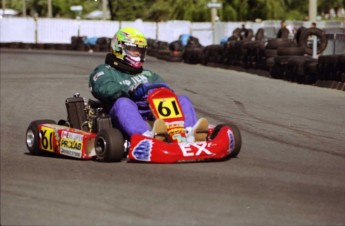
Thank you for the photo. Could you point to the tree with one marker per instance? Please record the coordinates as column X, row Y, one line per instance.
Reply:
column 274, row 9
column 129, row 10
column 192, row 10
column 159, row 11
column 235, row 10
column 324, row 6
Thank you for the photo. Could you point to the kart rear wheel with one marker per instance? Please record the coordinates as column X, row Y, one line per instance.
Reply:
column 32, row 135
column 237, row 135
column 109, row 145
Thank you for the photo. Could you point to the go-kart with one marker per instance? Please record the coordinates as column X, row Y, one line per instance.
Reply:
column 88, row 133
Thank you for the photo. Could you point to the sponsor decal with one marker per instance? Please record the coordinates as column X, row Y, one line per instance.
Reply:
column 69, row 152
column 177, row 131
column 72, row 136
column 139, row 79
column 194, row 149
column 231, row 141
column 71, row 144
column 143, row 150
column 179, row 138
column 178, row 124
column 138, row 42
column 125, row 82
column 97, row 75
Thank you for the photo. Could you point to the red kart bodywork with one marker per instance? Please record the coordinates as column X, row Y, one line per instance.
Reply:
column 152, row 150
column 66, row 141
column 165, row 105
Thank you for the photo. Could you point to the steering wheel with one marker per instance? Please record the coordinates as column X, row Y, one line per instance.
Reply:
column 142, row 104
column 149, row 87
column 156, row 85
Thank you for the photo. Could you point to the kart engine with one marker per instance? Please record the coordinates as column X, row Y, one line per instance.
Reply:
column 86, row 115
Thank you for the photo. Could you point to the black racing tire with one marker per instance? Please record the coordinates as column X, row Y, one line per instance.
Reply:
column 174, row 59
column 39, row 46
column 249, row 34
column 260, row 34
column 233, row 38
column 103, row 41
column 187, row 55
column 26, row 46
column 298, row 34
column 60, row 46
column 270, row 62
column 14, row 45
column 298, row 70
column 275, row 43
column 163, row 45
column 77, row 42
column 175, row 46
column 237, row 136
column 281, row 60
column 322, row 40
column 109, row 145
column 310, row 73
column 276, row 71
column 283, row 33
column 32, row 135
column 212, row 53
column 237, row 32
column 290, row 51
column 270, row 53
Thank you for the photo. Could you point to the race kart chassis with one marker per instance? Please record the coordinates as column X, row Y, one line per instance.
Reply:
column 89, row 134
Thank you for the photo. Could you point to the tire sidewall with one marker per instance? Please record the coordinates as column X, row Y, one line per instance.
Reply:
column 114, row 148
column 34, row 150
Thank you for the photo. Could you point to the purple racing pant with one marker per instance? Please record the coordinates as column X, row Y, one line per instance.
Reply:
column 126, row 116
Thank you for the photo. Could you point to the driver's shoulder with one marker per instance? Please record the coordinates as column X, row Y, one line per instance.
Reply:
column 148, row 73
column 105, row 69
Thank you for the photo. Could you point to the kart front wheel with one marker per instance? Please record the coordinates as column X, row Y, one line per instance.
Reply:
column 237, row 136
column 32, row 135
column 109, row 145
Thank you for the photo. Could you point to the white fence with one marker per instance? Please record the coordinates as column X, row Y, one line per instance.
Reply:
column 45, row 30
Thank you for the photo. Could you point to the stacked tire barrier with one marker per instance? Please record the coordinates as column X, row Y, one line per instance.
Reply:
column 284, row 58
column 193, row 52
column 331, row 71
column 163, row 50
column 78, row 43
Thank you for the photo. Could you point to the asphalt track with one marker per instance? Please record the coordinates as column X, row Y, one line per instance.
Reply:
column 290, row 171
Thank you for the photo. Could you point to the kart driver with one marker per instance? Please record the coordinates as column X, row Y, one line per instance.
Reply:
column 122, row 82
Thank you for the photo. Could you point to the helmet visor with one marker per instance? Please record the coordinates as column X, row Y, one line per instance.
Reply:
column 135, row 51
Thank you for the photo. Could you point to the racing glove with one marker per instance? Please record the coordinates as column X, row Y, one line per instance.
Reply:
column 139, row 92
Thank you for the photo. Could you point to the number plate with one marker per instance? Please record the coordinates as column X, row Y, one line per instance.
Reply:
column 167, row 108
column 47, row 138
